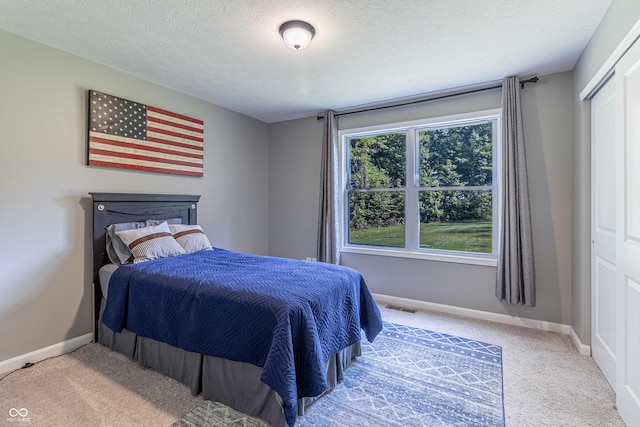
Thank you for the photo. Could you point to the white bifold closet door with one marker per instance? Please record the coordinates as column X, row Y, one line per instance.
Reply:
column 627, row 78
column 603, row 230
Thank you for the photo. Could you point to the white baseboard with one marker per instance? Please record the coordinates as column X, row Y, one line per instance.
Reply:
column 45, row 353
column 492, row 317
column 583, row 349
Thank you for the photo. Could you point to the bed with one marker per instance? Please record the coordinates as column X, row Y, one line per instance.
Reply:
column 266, row 336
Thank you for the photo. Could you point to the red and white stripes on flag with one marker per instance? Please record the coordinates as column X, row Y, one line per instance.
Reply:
column 129, row 135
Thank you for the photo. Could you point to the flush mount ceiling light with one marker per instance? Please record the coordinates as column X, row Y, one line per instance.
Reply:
column 297, row 34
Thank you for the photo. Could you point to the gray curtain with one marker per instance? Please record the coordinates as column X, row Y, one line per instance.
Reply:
column 327, row 250
column 515, row 275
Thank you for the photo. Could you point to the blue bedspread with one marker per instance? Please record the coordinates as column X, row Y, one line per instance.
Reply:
column 283, row 315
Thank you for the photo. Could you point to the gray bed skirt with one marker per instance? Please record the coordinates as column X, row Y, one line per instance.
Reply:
column 236, row 384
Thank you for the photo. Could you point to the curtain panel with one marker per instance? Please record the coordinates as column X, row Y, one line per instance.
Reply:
column 515, row 275
column 327, row 242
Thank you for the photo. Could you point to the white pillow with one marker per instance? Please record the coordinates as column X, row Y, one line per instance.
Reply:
column 190, row 237
column 151, row 242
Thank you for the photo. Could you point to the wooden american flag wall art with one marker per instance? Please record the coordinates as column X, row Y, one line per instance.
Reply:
column 130, row 135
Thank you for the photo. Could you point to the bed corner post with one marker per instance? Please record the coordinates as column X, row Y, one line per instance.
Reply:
column 99, row 250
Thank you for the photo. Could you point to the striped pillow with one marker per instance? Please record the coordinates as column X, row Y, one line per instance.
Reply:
column 190, row 237
column 151, row 242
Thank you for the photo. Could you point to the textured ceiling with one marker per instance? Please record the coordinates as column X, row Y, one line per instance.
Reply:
column 365, row 51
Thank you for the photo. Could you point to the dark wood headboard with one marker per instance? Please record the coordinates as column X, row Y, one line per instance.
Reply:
column 113, row 208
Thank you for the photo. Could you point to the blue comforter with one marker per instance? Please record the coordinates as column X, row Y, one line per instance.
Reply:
column 285, row 316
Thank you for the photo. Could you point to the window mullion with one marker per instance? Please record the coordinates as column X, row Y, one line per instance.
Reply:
column 412, row 226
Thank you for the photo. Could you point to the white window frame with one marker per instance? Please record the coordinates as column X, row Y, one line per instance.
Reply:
column 412, row 245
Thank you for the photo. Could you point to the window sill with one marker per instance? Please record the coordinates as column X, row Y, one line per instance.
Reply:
column 456, row 259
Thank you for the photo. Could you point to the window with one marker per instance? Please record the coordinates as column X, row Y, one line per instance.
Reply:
column 426, row 189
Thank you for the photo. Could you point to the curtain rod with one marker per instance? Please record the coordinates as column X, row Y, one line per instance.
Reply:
column 533, row 79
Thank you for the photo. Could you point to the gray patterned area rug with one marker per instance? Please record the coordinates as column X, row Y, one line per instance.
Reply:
column 407, row 377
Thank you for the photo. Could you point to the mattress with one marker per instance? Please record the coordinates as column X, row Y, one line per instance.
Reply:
column 104, row 274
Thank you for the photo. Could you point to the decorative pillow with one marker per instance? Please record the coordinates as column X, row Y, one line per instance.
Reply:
column 190, row 237
column 151, row 242
column 117, row 250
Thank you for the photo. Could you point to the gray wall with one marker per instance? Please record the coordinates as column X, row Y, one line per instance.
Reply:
column 45, row 214
column 619, row 19
column 294, row 187
column 294, row 166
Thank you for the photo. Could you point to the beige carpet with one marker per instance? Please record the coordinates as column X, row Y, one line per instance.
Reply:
column 546, row 382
